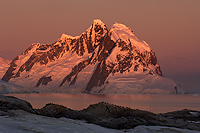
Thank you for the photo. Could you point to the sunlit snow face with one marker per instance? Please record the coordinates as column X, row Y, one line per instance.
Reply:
column 97, row 61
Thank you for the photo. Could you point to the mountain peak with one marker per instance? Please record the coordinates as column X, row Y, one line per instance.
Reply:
column 121, row 31
column 98, row 21
column 97, row 24
column 64, row 36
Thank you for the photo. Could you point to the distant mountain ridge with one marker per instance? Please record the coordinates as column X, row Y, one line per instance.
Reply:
column 6, row 61
column 4, row 64
column 97, row 61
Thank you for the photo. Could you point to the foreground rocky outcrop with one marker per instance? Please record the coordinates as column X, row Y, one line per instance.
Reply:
column 107, row 115
column 12, row 103
column 112, row 116
column 185, row 114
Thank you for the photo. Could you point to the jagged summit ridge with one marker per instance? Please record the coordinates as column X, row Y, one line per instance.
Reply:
column 93, row 62
column 45, row 53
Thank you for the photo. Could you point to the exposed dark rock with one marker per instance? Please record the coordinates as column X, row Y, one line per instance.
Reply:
column 9, row 73
column 54, row 110
column 44, row 81
column 13, row 103
column 75, row 70
column 101, row 73
column 107, row 115
column 98, row 78
column 117, row 117
column 185, row 114
column 105, row 48
column 136, row 67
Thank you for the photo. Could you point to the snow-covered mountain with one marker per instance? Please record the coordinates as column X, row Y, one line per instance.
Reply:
column 4, row 64
column 6, row 87
column 97, row 61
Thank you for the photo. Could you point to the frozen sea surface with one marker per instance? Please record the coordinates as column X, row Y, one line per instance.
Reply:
column 26, row 122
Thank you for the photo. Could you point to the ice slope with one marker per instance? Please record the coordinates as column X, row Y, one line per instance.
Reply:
column 138, row 83
column 6, row 87
column 126, row 34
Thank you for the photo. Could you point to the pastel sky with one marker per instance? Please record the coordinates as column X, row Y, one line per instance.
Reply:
column 170, row 27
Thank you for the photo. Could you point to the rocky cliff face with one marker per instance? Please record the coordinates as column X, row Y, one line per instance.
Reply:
column 97, row 61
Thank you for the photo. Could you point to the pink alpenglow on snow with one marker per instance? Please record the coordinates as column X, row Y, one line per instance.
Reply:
column 100, row 60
